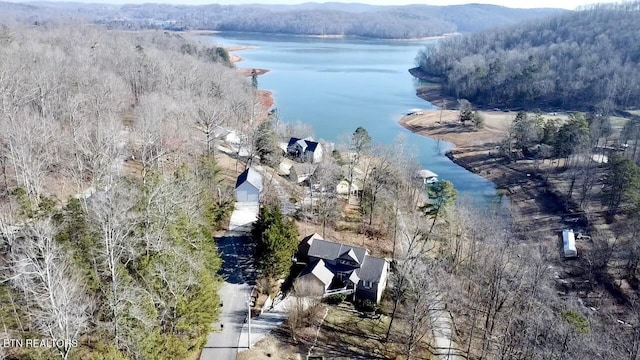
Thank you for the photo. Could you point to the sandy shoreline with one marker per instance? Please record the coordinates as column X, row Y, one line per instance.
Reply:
column 235, row 59
column 200, row 32
column 265, row 97
column 535, row 189
column 249, row 71
column 445, row 125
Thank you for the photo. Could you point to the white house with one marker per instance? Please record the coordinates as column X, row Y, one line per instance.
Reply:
column 306, row 150
column 343, row 188
column 569, row 244
column 248, row 186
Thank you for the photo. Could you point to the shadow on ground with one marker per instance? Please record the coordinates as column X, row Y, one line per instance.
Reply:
column 237, row 256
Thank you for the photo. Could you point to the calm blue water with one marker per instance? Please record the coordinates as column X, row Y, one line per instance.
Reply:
column 337, row 85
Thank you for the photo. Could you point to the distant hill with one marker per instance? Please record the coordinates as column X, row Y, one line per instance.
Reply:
column 402, row 22
column 588, row 59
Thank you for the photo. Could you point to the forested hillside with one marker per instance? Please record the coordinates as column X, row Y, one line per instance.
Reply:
column 389, row 22
column 110, row 191
column 583, row 60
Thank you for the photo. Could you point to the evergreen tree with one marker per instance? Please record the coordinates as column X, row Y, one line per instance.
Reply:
column 466, row 110
column 254, row 78
column 622, row 184
column 266, row 143
column 276, row 241
column 572, row 136
column 441, row 195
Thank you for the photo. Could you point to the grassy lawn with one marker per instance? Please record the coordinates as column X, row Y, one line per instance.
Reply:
column 618, row 123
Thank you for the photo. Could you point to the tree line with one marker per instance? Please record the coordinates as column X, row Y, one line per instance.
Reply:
column 110, row 190
column 580, row 60
column 389, row 22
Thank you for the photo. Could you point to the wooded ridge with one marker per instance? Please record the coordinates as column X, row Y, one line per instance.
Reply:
column 388, row 22
column 583, row 60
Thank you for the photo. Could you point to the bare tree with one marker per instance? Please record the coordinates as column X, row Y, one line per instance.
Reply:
column 151, row 136
column 302, row 309
column 111, row 213
column 421, row 300
column 59, row 305
column 325, row 204
column 210, row 115
column 30, row 142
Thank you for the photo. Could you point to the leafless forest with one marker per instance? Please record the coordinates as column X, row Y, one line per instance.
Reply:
column 110, row 191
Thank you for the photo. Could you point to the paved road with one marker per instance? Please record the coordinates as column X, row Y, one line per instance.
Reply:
column 237, row 270
column 265, row 323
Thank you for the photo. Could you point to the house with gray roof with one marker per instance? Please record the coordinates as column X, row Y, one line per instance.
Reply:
column 317, row 278
column 351, row 267
column 248, row 186
column 305, row 150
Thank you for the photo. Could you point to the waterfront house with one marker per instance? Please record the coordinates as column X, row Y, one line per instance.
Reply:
column 332, row 266
column 305, row 150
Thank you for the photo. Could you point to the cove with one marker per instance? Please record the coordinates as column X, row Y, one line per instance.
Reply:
column 339, row 84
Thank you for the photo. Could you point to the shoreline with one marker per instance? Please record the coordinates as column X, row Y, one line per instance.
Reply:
column 233, row 58
column 472, row 149
column 265, row 97
column 248, row 71
column 325, row 36
column 536, row 190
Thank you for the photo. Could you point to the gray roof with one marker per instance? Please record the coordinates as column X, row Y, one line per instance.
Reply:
column 320, row 271
column 252, row 177
column 372, row 269
column 328, row 250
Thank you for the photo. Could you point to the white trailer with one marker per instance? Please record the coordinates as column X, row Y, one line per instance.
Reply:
column 569, row 243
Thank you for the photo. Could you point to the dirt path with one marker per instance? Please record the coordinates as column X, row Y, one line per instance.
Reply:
column 442, row 328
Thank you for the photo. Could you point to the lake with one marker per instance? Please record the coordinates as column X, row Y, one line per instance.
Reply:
column 337, row 85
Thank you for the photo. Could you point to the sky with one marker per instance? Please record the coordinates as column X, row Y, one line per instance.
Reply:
column 565, row 4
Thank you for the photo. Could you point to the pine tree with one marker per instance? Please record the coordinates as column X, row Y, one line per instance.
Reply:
column 276, row 241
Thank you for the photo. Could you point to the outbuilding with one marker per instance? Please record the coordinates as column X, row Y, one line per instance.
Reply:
column 569, row 243
column 248, row 186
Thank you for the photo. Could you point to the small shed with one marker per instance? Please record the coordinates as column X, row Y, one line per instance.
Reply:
column 569, row 243
column 248, row 186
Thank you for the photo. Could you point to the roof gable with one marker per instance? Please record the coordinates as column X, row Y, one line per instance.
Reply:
column 350, row 255
column 372, row 269
column 292, row 141
column 320, row 271
column 312, row 146
column 309, row 238
column 252, row 177
column 307, row 144
column 330, row 251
